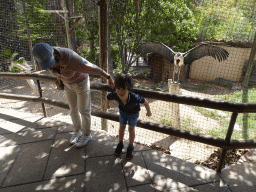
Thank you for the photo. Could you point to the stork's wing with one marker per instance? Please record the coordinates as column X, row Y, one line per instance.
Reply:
column 156, row 47
column 205, row 49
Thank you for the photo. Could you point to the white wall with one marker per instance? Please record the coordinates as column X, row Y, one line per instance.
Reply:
column 208, row 69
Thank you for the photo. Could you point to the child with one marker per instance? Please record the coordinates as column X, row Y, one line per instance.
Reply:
column 129, row 107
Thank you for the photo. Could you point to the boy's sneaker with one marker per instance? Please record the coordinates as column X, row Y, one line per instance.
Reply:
column 83, row 140
column 129, row 154
column 76, row 135
column 119, row 149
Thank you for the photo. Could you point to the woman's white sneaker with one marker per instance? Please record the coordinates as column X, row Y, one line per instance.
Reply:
column 75, row 137
column 83, row 140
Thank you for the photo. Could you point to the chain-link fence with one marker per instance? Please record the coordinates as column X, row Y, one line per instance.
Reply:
column 75, row 24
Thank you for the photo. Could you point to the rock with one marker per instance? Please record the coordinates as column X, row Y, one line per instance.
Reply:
column 224, row 82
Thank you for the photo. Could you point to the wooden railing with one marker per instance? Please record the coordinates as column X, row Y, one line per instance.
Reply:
column 225, row 144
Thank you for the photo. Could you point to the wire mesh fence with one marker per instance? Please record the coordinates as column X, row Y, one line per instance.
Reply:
column 131, row 23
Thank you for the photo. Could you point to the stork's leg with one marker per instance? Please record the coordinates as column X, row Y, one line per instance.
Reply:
column 179, row 74
column 173, row 75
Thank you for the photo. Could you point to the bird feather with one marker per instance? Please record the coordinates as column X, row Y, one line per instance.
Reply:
column 197, row 52
column 157, row 47
column 205, row 49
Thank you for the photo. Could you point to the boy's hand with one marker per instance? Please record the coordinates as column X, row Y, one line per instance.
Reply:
column 148, row 114
column 147, row 108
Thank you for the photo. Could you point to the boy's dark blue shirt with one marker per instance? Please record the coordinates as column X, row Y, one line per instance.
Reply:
column 132, row 105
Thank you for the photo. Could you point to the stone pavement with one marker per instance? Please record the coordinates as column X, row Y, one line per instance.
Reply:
column 35, row 155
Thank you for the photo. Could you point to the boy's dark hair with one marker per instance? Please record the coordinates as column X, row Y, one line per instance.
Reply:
column 123, row 81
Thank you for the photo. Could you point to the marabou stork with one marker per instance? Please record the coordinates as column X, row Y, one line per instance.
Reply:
column 179, row 59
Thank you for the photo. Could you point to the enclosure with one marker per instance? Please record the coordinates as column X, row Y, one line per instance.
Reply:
column 108, row 34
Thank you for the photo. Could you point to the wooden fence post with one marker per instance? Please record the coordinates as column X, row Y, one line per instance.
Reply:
column 250, row 63
column 175, row 108
column 103, row 54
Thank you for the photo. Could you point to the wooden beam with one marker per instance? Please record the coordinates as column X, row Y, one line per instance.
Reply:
column 75, row 17
column 181, row 99
column 207, row 139
column 77, row 21
column 54, row 11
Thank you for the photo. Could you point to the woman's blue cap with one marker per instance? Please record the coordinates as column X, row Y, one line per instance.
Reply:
column 43, row 53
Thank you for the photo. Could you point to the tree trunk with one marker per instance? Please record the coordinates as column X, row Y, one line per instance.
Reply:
column 110, row 57
column 28, row 33
column 57, row 20
column 71, row 13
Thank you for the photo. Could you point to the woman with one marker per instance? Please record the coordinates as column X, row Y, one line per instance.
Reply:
column 74, row 71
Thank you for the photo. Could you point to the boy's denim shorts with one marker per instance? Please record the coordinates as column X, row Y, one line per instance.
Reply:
column 131, row 119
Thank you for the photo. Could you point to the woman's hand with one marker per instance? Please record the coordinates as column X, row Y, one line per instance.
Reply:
column 111, row 83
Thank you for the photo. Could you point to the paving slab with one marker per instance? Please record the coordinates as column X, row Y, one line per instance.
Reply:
column 65, row 159
column 35, row 155
column 5, row 117
column 104, row 174
column 210, row 187
column 135, row 170
column 49, row 122
column 66, row 128
column 30, row 163
column 240, row 174
column 7, row 127
column 7, row 158
column 14, row 125
column 142, row 188
column 27, row 135
column 170, row 173
column 242, row 188
column 100, row 145
column 213, row 187
column 103, row 144
column 14, row 113
column 65, row 184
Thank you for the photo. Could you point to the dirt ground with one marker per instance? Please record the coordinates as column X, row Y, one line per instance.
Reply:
column 191, row 151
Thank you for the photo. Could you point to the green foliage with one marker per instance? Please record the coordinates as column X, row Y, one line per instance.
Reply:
column 7, row 55
column 166, row 121
column 115, row 55
column 187, row 124
column 20, row 61
column 15, row 69
column 170, row 22
column 225, row 20
column 14, row 55
column 223, row 122
column 238, row 96
column 246, row 121
column 90, row 55
column 118, row 69
column 87, row 30
column 197, row 88
column 37, row 21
